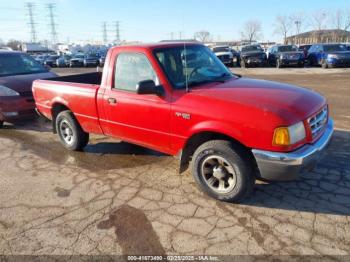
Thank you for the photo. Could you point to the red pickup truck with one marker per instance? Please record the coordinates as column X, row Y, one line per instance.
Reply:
column 178, row 98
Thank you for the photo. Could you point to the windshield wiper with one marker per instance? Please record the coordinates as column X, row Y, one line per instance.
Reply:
column 195, row 83
column 222, row 78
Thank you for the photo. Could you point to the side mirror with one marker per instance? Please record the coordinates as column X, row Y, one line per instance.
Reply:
column 148, row 87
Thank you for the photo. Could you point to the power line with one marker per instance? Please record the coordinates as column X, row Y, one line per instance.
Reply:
column 31, row 23
column 104, row 32
column 117, row 31
column 51, row 7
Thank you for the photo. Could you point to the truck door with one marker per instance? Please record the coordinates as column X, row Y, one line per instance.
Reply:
column 140, row 119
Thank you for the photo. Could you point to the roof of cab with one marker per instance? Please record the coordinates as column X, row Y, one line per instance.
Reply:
column 152, row 46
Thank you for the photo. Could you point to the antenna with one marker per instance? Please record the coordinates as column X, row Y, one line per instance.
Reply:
column 117, row 31
column 186, row 72
column 185, row 54
column 31, row 23
column 104, row 32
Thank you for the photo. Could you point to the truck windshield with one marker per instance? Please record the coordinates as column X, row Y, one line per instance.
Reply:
column 194, row 63
column 19, row 64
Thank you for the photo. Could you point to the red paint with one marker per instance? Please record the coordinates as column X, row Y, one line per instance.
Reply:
column 245, row 109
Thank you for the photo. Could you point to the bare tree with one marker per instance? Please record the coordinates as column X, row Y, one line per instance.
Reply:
column 251, row 30
column 202, row 36
column 14, row 44
column 319, row 19
column 341, row 19
column 283, row 25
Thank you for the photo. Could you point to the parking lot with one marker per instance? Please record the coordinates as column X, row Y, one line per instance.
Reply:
column 116, row 198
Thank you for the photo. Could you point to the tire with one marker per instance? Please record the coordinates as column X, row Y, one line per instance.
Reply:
column 324, row 64
column 278, row 64
column 70, row 132
column 1, row 124
column 220, row 161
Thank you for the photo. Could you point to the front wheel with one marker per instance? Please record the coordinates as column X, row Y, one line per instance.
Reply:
column 223, row 170
column 324, row 64
column 70, row 132
column 278, row 64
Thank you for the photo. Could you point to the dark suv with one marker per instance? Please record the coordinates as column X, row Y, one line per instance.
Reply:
column 252, row 55
column 286, row 55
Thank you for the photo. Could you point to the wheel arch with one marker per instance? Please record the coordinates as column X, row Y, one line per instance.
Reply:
column 198, row 138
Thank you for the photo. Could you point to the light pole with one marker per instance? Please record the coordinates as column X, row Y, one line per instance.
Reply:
column 297, row 24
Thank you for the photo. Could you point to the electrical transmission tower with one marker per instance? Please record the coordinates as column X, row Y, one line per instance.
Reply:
column 51, row 8
column 117, row 31
column 104, row 32
column 31, row 23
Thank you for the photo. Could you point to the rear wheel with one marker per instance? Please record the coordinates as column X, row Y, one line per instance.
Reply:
column 223, row 170
column 324, row 64
column 70, row 132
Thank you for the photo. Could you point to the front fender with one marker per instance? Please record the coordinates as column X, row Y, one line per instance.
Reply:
column 217, row 127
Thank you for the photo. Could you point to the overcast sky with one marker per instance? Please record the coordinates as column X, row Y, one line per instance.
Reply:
column 154, row 20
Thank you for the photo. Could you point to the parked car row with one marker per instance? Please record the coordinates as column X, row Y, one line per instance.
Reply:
column 78, row 60
column 325, row 55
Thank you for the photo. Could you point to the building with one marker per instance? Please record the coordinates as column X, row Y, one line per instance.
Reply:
column 320, row 36
column 33, row 48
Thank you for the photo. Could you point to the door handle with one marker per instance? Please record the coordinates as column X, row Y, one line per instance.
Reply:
column 112, row 101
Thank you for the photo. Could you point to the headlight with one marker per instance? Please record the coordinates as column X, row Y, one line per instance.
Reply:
column 5, row 91
column 286, row 136
column 332, row 56
column 282, row 56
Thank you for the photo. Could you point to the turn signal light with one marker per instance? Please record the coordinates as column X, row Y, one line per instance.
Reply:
column 281, row 137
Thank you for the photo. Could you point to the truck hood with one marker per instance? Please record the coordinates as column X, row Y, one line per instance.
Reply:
column 291, row 52
column 252, row 53
column 23, row 83
column 288, row 102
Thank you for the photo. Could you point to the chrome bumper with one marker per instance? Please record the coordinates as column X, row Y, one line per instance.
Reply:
column 287, row 166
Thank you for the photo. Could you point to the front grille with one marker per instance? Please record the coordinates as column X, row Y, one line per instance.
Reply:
column 318, row 122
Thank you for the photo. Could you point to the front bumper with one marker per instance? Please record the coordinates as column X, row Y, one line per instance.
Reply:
column 91, row 62
column 338, row 62
column 256, row 61
column 287, row 166
column 76, row 63
column 292, row 62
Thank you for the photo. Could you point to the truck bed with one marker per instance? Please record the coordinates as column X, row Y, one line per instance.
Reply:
column 75, row 92
column 88, row 78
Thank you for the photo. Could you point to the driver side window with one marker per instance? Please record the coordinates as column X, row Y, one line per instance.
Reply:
column 130, row 69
